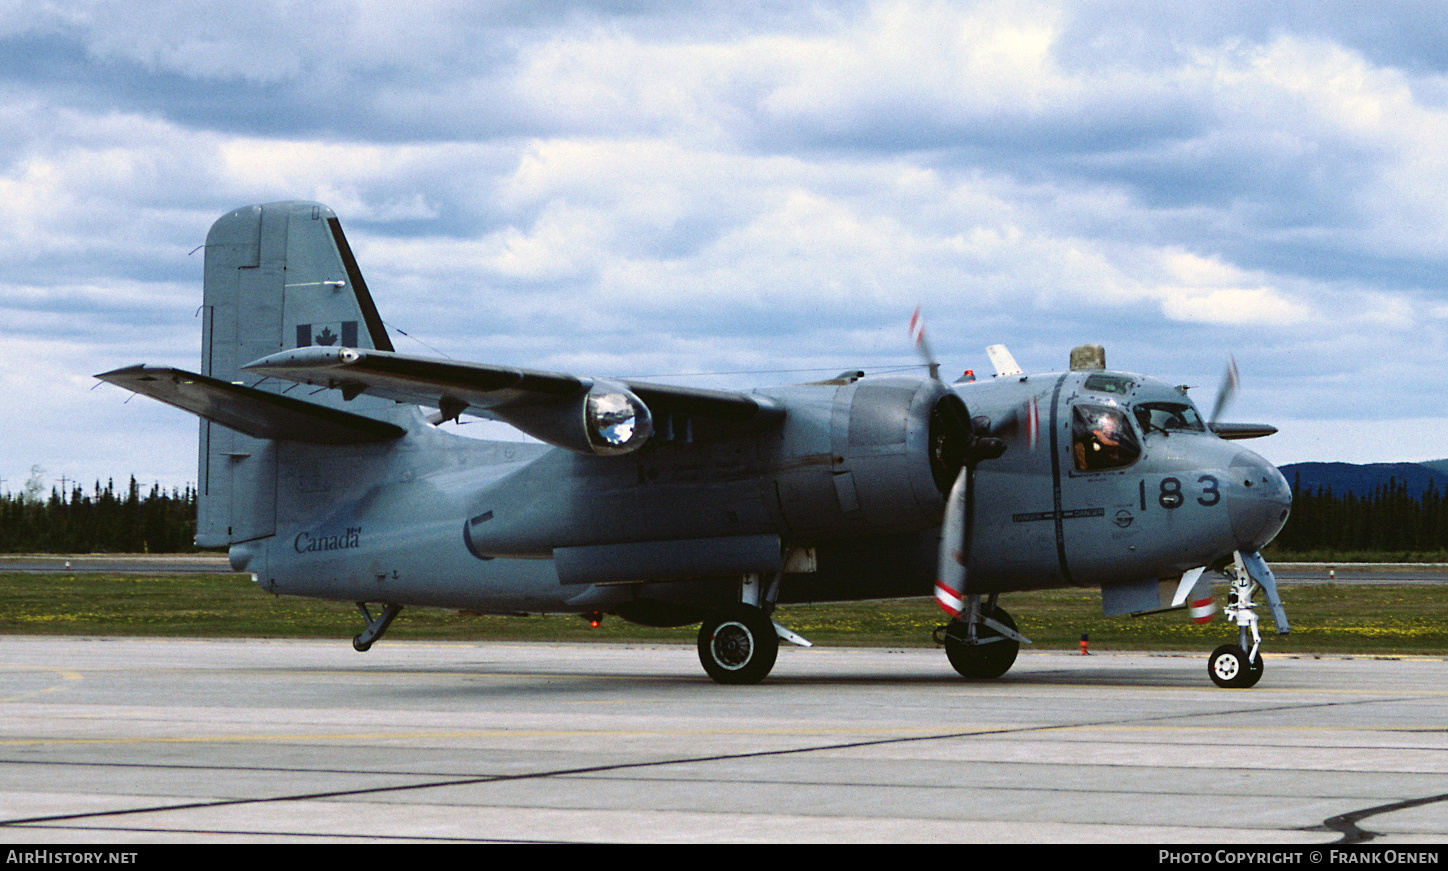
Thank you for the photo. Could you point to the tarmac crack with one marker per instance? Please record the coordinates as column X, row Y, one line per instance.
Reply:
column 1347, row 824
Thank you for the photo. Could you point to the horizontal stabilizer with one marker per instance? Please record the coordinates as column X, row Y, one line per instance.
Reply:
column 488, row 390
column 256, row 413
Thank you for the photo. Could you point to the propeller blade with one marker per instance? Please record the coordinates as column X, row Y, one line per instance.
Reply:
column 951, row 575
column 1029, row 415
column 917, row 335
column 1230, row 382
column 955, row 529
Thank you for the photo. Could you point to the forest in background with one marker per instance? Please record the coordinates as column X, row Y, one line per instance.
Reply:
column 1389, row 521
column 102, row 521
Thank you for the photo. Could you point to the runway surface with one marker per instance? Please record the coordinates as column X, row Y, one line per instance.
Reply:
column 138, row 740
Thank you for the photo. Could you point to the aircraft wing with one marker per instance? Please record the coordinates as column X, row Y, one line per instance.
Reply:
column 253, row 412
column 492, row 391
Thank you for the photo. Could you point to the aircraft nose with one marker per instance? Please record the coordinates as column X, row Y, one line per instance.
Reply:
column 1259, row 501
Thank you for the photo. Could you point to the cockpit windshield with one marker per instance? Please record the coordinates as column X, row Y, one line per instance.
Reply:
column 1168, row 417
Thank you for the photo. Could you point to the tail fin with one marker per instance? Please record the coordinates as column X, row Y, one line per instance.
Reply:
column 278, row 276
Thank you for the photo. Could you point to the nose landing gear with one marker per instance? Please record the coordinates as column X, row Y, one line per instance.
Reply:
column 1239, row 666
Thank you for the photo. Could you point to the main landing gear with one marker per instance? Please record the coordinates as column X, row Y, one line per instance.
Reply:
column 1231, row 668
column 983, row 642
column 739, row 644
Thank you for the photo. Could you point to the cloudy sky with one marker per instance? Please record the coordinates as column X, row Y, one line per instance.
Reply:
column 744, row 193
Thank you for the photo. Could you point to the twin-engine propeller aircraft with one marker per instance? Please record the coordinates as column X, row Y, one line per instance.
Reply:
column 669, row 506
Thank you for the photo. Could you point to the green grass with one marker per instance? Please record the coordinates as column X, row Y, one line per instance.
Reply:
column 1403, row 619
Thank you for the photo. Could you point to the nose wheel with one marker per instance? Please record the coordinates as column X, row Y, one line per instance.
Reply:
column 1230, row 667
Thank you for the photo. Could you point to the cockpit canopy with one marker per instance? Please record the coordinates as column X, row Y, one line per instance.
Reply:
column 1102, row 436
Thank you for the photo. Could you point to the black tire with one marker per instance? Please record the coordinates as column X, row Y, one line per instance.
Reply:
column 1253, row 674
column 981, row 661
column 738, row 646
column 1229, row 669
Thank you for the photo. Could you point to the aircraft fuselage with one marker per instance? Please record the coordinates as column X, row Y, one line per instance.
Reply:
column 840, row 499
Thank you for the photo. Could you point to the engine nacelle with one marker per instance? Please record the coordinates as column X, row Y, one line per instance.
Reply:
column 895, row 447
column 607, row 420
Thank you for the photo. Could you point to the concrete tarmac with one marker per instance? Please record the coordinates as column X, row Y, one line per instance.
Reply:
column 163, row 740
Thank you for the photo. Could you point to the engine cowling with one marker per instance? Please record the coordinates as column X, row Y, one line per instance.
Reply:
column 896, row 445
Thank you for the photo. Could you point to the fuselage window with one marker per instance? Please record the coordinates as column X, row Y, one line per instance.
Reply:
column 1168, row 417
column 1103, row 383
column 1101, row 438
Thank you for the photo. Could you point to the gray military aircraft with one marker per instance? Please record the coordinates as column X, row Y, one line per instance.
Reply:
column 669, row 506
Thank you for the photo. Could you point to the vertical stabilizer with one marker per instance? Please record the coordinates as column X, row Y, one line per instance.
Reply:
column 278, row 276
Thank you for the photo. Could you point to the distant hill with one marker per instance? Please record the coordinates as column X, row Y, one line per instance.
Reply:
column 1363, row 480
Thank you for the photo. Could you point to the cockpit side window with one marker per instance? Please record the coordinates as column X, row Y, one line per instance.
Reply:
column 1168, row 417
column 1101, row 438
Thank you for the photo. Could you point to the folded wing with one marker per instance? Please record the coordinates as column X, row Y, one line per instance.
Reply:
column 569, row 411
column 247, row 410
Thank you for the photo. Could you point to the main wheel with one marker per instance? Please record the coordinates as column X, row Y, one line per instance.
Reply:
column 1229, row 668
column 738, row 645
column 981, row 661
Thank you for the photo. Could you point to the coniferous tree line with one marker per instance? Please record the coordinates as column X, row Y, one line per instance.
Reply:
column 105, row 521
column 1390, row 519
